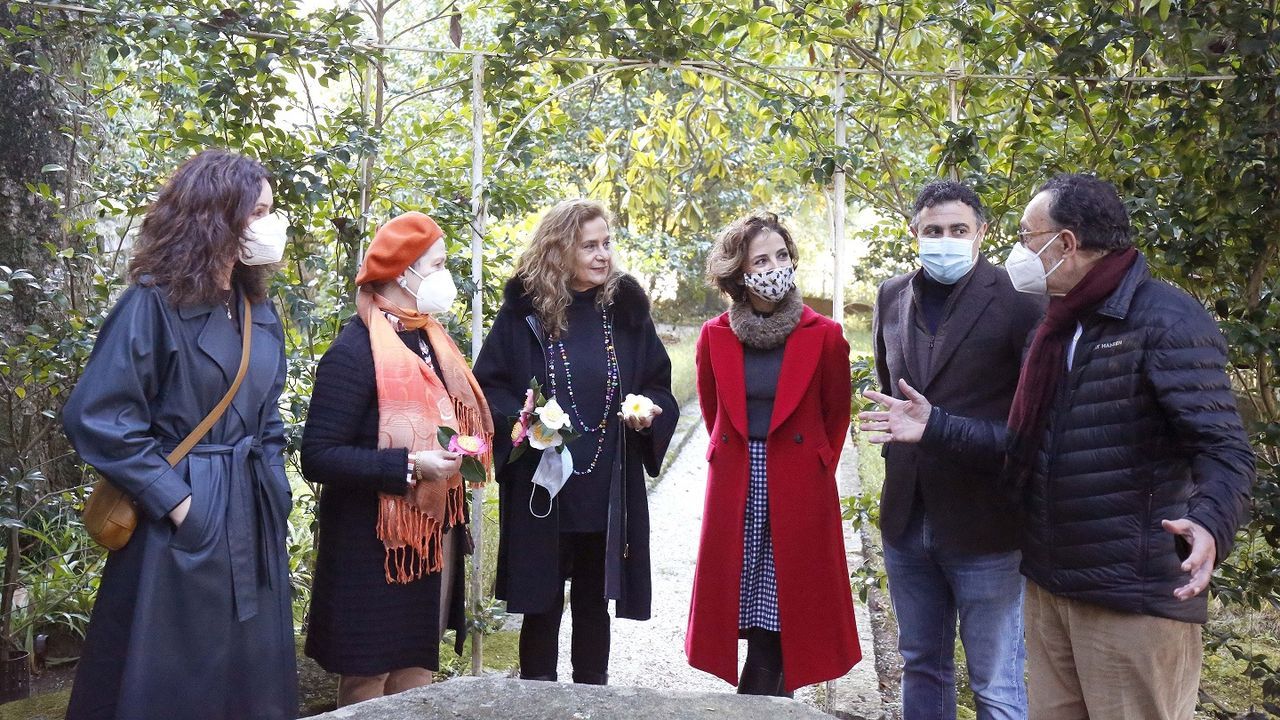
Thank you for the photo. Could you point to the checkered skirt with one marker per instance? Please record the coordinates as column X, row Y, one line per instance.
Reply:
column 758, row 588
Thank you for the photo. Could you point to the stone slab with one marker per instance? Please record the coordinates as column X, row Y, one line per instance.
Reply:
column 495, row 698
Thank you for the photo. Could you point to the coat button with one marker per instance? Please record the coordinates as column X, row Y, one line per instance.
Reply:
column 724, row 437
column 799, row 438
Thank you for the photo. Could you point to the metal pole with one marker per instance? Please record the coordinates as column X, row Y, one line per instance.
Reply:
column 477, row 335
column 837, row 252
column 838, row 207
column 953, row 92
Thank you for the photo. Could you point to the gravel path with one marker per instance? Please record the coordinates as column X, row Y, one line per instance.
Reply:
column 651, row 654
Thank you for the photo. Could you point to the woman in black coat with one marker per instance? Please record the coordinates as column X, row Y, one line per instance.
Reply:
column 582, row 329
column 193, row 617
column 388, row 560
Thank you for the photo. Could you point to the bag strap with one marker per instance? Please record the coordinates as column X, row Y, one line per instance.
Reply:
column 203, row 428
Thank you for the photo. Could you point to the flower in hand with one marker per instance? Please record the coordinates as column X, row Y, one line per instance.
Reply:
column 639, row 411
column 636, row 406
column 542, row 437
column 542, row 422
column 519, row 431
column 552, row 416
column 469, row 450
column 468, row 445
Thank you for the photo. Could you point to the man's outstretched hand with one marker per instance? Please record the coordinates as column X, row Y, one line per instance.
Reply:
column 901, row 420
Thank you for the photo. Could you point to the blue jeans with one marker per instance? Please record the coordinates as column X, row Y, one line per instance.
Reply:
column 931, row 587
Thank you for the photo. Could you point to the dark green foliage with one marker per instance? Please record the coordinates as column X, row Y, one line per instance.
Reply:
column 698, row 126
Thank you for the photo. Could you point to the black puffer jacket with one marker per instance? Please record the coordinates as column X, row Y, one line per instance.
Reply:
column 1144, row 428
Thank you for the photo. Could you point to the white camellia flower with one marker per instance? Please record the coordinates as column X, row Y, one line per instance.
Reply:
column 553, row 416
column 636, row 407
column 541, row 437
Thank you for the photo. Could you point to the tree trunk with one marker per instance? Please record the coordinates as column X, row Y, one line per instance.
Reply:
column 30, row 139
column 38, row 145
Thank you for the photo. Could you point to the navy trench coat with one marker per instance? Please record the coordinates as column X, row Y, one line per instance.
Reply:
column 529, row 547
column 193, row 623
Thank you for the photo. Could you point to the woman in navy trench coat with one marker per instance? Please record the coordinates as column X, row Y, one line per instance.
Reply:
column 193, row 617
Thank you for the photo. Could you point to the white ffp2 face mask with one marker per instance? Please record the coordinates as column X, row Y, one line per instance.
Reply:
column 1026, row 272
column 436, row 291
column 264, row 240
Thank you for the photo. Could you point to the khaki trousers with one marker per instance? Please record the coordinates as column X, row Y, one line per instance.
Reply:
column 1086, row 662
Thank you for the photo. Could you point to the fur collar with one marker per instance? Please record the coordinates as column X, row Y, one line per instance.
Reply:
column 630, row 303
column 766, row 333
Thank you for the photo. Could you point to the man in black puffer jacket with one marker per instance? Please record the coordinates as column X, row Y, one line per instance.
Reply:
column 1128, row 454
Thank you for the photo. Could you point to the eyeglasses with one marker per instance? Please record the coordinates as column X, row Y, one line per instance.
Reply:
column 1022, row 235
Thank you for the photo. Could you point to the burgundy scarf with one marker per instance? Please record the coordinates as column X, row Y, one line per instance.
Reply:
column 1046, row 362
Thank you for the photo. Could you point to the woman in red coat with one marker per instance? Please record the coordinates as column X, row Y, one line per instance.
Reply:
column 773, row 382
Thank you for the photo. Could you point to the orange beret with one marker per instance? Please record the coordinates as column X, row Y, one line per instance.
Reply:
column 397, row 244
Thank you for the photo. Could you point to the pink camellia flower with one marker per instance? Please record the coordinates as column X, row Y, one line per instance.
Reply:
column 530, row 401
column 519, row 431
column 469, row 445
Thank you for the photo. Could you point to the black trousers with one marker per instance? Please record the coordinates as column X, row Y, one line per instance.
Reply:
column 581, row 562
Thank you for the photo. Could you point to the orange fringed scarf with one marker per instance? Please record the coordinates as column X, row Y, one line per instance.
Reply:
column 412, row 405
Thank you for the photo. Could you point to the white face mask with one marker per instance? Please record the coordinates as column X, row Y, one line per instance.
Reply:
column 1026, row 272
column 771, row 285
column 264, row 240
column 436, row 291
column 553, row 472
column 946, row 259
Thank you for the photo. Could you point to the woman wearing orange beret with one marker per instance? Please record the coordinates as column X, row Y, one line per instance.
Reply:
column 392, row 507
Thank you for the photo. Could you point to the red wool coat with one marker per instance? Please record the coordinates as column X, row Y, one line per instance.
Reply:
column 809, row 425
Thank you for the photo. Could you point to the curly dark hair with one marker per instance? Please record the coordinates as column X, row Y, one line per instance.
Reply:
column 192, row 232
column 1090, row 208
column 944, row 191
column 729, row 253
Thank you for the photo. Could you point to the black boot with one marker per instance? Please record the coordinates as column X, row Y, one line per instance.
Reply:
column 758, row 680
column 540, row 678
column 780, row 691
column 589, row 678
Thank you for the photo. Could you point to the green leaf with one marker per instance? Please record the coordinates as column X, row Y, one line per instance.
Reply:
column 444, row 435
column 473, row 471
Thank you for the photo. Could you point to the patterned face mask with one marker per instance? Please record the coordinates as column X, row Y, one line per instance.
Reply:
column 771, row 285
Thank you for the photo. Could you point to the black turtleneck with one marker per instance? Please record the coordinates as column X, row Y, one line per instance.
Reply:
column 932, row 296
column 584, row 500
column 761, row 370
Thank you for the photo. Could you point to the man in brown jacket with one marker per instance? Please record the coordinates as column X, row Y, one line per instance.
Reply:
column 954, row 328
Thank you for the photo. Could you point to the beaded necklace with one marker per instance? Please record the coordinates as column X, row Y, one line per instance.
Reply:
column 611, row 387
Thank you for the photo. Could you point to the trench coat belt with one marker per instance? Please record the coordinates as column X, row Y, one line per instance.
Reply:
column 247, row 501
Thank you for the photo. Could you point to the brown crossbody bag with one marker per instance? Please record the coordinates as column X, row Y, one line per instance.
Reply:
column 110, row 515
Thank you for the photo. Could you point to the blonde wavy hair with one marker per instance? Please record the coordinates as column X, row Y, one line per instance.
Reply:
column 548, row 264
